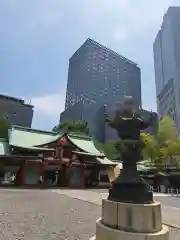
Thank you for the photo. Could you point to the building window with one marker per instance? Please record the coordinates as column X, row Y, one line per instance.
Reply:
column 105, row 80
column 101, row 68
column 92, row 101
column 94, row 68
column 106, row 68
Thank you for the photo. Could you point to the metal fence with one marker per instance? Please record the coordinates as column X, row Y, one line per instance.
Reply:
column 165, row 190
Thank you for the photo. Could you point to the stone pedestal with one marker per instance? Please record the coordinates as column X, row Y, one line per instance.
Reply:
column 128, row 221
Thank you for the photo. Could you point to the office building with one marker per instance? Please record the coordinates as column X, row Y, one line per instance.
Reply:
column 98, row 77
column 16, row 110
column 167, row 65
column 96, row 72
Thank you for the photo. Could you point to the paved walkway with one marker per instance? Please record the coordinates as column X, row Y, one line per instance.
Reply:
column 46, row 215
column 170, row 215
column 43, row 215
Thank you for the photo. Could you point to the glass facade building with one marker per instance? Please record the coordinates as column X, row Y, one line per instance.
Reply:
column 167, row 65
column 97, row 79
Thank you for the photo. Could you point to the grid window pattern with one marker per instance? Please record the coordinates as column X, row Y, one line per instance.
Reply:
column 98, row 76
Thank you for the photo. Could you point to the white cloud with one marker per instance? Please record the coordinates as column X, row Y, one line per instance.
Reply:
column 102, row 18
column 49, row 105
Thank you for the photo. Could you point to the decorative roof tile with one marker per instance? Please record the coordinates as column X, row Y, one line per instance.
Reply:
column 30, row 138
column 84, row 144
column 106, row 161
column 26, row 137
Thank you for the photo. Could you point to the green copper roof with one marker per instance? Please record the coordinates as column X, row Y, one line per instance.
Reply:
column 84, row 143
column 26, row 137
column 35, row 148
column 4, row 147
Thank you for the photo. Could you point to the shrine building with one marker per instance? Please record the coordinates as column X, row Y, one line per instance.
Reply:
column 31, row 157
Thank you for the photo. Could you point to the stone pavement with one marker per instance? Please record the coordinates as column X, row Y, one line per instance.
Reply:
column 46, row 215
column 170, row 215
column 43, row 215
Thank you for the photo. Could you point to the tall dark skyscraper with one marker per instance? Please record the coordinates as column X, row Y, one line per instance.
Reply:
column 167, row 65
column 96, row 72
column 98, row 78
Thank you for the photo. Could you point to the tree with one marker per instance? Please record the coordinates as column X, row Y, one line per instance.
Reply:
column 167, row 131
column 162, row 147
column 108, row 149
column 167, row 140
column 170, row 152
column 150, row 149
column 72, row 126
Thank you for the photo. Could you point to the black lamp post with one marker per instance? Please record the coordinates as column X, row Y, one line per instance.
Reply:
column 129, row 186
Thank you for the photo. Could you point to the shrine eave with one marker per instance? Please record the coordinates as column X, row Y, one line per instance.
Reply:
column 19, row 157
column 33, row 148
column 88, row 154
column 106, row 161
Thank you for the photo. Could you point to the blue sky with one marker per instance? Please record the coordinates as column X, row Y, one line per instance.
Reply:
column 37, row 37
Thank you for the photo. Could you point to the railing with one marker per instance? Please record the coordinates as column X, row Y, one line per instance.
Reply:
column 165, row 190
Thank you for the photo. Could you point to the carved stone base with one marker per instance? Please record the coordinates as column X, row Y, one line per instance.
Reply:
column 130, row 221
column 106, row 233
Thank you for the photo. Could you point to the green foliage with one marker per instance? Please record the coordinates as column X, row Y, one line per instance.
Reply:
column 108, row 149
column 173, row 148
column 166, row 144
column 166, row 131
column 99, row 146
column 159, row 149
column 150, row 148
column 72, row 126
column 170, row 152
